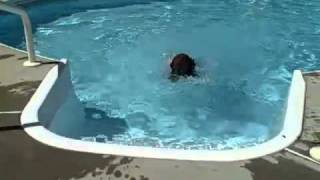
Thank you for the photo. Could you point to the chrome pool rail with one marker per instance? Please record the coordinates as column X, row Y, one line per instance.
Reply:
column 27, row 31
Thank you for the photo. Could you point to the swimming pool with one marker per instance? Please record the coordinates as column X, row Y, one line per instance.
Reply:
column 246, row 52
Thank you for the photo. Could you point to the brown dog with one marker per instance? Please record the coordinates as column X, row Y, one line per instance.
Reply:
column 182, row 65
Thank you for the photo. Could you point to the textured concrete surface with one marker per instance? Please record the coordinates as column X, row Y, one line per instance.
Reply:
column 18, row 83
column 311, row 131
column 23, row 158
column 13, row 73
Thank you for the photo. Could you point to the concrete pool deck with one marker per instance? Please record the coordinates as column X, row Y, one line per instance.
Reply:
column 23, row 158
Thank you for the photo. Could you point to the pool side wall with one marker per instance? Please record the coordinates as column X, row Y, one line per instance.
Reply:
column 56, row 85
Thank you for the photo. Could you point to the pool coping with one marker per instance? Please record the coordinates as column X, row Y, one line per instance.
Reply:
column 290, row 132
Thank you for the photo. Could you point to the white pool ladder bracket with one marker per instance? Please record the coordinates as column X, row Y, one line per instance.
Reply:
column 31, row 62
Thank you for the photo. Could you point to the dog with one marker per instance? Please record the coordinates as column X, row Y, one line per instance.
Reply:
column 182, row 65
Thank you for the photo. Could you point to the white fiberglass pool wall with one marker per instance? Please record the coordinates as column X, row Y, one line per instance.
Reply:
column 56, row 87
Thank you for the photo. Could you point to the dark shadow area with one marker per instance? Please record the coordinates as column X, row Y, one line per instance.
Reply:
column 19, row 127
column 23, row 58
column 5, row 56
column 10, row 128
column 31, row 124
column 97, row 122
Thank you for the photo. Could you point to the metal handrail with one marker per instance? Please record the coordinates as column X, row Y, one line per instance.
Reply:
column 27, row 31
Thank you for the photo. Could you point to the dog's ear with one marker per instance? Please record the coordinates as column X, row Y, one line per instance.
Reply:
column 171, row 64
column 193, row 63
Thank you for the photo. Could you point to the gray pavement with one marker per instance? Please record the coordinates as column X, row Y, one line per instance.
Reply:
column 23, row 158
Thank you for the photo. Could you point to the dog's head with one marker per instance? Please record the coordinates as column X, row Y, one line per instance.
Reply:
column 182, row 65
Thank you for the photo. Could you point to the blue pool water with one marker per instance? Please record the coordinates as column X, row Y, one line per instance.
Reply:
column 245, row 50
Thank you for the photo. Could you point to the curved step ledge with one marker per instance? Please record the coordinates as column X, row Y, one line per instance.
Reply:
column 291, row 131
